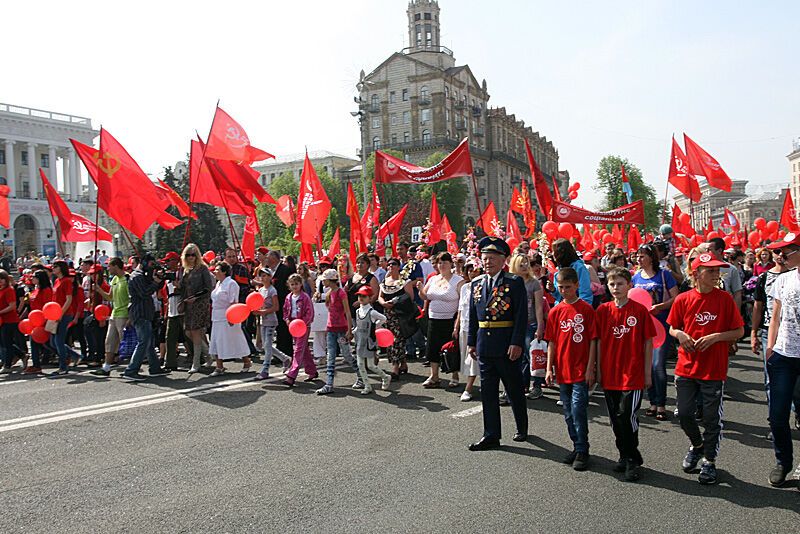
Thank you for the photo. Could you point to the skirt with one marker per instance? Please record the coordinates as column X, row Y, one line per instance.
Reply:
column 228, row 342
column 197, row 315
column 440, row 331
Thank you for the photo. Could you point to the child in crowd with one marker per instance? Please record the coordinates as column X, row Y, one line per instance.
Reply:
column 298, row 305
column 572, row 349
column 367, row 320
column 339, row 328
column 469, row 366
column 269, row 322
column 625, row 352
column 705, row 322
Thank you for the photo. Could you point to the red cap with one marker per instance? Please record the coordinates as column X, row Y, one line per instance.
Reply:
column 364, row 290
column 588, row 256
column 262, row 250
column 326, row 259
column 789, row 239
column 707, row 260
column 96, row 268
column 170, row 256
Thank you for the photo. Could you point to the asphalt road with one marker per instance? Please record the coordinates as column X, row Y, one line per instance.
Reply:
column 227, row 454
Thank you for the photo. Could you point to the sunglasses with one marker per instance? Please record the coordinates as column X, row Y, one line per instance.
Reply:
column 785, row 254
column 190, row 254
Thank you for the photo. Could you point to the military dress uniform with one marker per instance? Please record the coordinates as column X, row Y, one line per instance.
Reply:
column 498, row 318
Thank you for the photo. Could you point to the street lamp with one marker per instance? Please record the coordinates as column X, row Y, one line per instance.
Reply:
column 360, row 115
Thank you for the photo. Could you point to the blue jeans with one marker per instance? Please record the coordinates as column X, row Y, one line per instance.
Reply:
column 657, row 393
column 338, row 346
column 144, row 348
column 59, row 343
column 783, row 374
column 576, row 401
column 36, row 353
column 267, row 340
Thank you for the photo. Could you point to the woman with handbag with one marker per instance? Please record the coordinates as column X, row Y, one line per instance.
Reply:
column 66, row 295
column 521, row 266
column 396, row 298
column 195, row 288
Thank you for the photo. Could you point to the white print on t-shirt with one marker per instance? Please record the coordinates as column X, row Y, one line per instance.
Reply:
column 703, row 318
column 631, row 321
column 576, row 325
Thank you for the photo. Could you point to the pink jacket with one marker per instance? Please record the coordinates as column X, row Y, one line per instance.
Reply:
column 304, row 305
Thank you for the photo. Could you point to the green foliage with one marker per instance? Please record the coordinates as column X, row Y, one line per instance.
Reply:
column 609, row 183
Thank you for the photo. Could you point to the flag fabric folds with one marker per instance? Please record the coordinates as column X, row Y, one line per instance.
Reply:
column 249, row 236
column 73, row 227
column 449, row 236
column 313, row 205
column 335, row 248
column 513, row 234
column 634, row 238
column 389, row 169
column 521, row 203
column 543, row 197
column 488, row 220
column 228, row 141
column 626, row 185
column 356, row 235
column 284, row 208
column 702, row 163
column 435, row 229
column 679, row 175
column 729, row 221
column 392, row 228
column 789, row 214
column 175, row 199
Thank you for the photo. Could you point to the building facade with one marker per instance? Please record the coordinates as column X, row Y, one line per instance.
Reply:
column 712, row 204
column 31, row 139
column 767, row 205
column 418, row 101
column 794, row 163
column 335, row 165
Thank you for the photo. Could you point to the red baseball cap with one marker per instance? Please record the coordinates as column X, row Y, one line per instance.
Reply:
column 364, row 290
column 789, row 239
column 588, row 256
column 707, row 260
column 170, row 256
column 262, row 250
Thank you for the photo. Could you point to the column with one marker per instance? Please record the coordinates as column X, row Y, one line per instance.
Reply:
column 65, row 171
column 52, row 175
column 33, row 164
column 92, row 191
column 73, row 174
column 11, row 170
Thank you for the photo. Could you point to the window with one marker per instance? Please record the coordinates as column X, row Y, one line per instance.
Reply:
column 426, row 137
column 448, row 134
column 406, row 137
column 423, row 92
column 425, row 115
column 428, row 35
column 394, row 138
column 405, row 95
column 392, row 97
column 376, row 143
column 263, row 179
column 45, row 163
column 447, row 115
column 393, row 119
column 2, row 157
column 23, row 156
column 374, row 101
column 418, row 30
column 416, row 16
column 376, row 122
column 446, row 92
column 406, row 117
column 427, row 16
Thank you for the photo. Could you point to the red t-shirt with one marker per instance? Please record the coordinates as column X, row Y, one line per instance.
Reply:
column 9, row 296
column 698, row 315
column 623, row 332
column 572, row 328
column 39, row 297
column 62, row 289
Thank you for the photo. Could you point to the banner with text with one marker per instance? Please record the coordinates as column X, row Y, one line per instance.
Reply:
column 389, row 169
column 628, row 214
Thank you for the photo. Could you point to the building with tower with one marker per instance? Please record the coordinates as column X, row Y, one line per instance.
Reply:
column 418, row 101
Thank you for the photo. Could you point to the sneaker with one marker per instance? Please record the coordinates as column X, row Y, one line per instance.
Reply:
column 581, row 462
column 193, row 370
column 504, row 399
column 367, row 390
column 691, row 459
column 631, row 471
column 559, row 403
column 535, row 393
column 466, row 396
column 5, row 370
column 708, row 473
column 134, row 377
column 777, row 476
column 159, row 372
column 620, row 466
column 359, row 384
column 288, row 382
column 324, row 390
column 57, row 373
column 218, row 372
column 570, row 458
column 261, row 376
column 100, row 372
column 385, row 381
column 32, row 370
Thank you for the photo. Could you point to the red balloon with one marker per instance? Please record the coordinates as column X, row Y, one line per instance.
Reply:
column 52, row 311
column 565, row 230
column 254, row 301
column 37, row 318
column 40, row 335
column 550, row 229
column 25, row 327
column 772, row 226
column 661, row 333
column 781, row 234
column 684, row 218
column 712, row 235
column 637, row 294
column 754, row 238
column 298, row 328
column 102, row 312
column 760, row 223
column 608, row 238
column 384, row 337
column 573, row 195
column 534, row 244
column 237, row 313
column 209, row 256
column 576, row 186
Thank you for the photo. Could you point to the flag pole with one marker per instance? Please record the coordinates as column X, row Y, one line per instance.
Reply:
column 477, row 200
column 130, row 241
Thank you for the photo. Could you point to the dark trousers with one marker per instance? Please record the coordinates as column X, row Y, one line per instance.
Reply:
column 493, row 370
column 173, row 336
column 95, row 338
column 711, row 390
column 783, row 374
column 622, row 407
column 283, row 339
column 8, row 343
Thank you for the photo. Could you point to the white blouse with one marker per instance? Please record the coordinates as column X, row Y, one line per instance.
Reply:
column 443, row 296
column 223, row 296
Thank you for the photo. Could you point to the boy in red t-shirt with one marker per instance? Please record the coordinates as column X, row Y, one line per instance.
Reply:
column 572, row 349
column 705, row 321
column 625, row 355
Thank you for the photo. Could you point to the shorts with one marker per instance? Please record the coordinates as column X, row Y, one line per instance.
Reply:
column 114, row 335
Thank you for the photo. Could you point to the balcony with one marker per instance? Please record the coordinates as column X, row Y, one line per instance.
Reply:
column 374, row 108
column 477, row 111
column 424, row 100
column 478, row 132
column 459, row 104
column 427, row 48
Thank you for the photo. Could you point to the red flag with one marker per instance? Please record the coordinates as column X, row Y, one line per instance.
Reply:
column 228, row 140
column 392, row 227
column 306, row 253
column 4, row 210
column 729, row 221
column 679, row 175
column 335, row 248
column 313, row 205
column 488, row 220
column 543, row 196
column 701, row 163
column 376, row 205
column 556, row 192
column 710, row 227
column 789, row 214
column 513, row 235
column 616, row 232
column 587, row 241
column 435, row 232
column 73, row 227
column 681, row 223
column 284, row 207
column 356, row 236
column 634, row 238
column 389, row 169
column 175, row 199
column 203, row 185
column 249, row 236
column 449, row 236
column 367, row 223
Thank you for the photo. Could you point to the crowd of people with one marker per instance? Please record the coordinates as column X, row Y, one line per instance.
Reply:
column 539, row 316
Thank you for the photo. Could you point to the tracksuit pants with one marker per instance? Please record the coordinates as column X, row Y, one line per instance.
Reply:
column 622, row 407
column 711, row 390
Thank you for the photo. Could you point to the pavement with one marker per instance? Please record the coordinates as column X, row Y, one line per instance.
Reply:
column 228, row 454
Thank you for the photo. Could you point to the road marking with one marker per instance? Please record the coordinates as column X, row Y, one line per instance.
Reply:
column 469, row 411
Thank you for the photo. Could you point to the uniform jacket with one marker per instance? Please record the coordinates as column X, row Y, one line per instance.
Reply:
column 505, row 303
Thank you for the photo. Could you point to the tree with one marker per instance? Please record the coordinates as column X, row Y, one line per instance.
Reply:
column 609, row 183
column 167, row 240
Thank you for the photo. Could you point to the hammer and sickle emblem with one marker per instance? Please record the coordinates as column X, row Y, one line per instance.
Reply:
column 108, row 163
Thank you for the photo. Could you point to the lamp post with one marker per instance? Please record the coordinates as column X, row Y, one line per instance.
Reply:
column 116, row 246
column 360, row 116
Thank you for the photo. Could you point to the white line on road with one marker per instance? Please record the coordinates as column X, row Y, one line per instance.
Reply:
column 469, row 411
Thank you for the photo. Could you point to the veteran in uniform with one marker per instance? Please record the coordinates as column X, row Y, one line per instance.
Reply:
column 498, row 316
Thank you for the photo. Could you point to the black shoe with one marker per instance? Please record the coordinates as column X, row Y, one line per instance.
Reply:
column 100, row 372
column 159, row 372
column 568, row 459
column 134, row 377
column 691, row 459
column 581, row 462
column 631, row 471
column 708, row 473
column 777, row 476
column 171, row 368
column 620, row 466
column 519, row 436
column 504, row 399
column 484, row 444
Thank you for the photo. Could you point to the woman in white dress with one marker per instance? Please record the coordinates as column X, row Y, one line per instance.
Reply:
column 227, row 340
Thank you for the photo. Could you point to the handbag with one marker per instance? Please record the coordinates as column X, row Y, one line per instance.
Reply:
column 51, row 326
column 450, row 357
column 538, row 355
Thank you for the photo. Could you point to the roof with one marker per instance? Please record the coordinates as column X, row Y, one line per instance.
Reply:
column 300, row 156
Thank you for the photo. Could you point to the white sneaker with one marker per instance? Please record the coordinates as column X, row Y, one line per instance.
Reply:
column 218, row 372
column 385, row 381
column 367, row 390
column 466, row 396
column 5, row 370
column 358, row 384
column 193, row 370
column 559, row 403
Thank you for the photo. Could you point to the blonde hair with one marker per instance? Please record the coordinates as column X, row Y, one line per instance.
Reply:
column 516, row 262
column 198, row 258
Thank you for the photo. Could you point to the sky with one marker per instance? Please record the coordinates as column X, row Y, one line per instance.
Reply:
column 596, row 78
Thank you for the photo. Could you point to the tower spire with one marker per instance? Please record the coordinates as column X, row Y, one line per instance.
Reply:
column 423, row 25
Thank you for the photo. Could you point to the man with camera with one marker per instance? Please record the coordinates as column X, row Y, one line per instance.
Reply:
column 145, row 280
